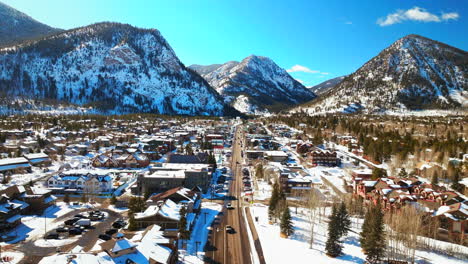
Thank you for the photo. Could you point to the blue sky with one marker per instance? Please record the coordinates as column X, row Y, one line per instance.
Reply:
column 314, row 39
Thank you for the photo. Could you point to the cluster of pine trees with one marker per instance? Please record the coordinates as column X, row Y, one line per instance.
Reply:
column 279, row 210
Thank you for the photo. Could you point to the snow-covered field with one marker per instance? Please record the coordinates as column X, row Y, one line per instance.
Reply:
column 298, row 245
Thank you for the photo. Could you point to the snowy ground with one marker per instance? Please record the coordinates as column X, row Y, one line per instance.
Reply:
column 33, row 227
column 37, row 173
column 16, row 257
column 192, row 254
column 298, row 244
column 54, row 242
column 334, row 175
column 263, row 191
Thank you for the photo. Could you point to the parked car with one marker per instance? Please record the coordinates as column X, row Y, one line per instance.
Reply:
column 105, row 237
column 80, row 216
column 83, row 222
column 75, row 231
column 61, row 230
column 52, row 236
column 119, row 224
column 229, row 206
column 111, row 231
column 71, row 221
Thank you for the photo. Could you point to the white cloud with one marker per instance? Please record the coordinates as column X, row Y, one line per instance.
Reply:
column 447, row 16
column 300, row 68
column 299, row 80
column 348, row 22
column 415, row 14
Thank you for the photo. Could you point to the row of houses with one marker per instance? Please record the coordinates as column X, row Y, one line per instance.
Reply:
column 151, row 247
column 81, row 181
column 24, row 164
column 17, row 201
column 394, row 193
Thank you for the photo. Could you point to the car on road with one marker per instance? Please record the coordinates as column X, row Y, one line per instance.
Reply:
column 230, row 229
column 229, row 206
column 52, row 236
column 105, row 237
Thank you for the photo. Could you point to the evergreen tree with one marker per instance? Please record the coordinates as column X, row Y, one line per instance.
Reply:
column 131, row 223
column 373, row 235
column 113, row 200
column 66, row 198
column 403, row 173
column 378, row 173
column 333, row 246
column 344, row 223
column 273, row 203
column 435, row 179
column 184, row 233
column 456, row 182
column 286, row 225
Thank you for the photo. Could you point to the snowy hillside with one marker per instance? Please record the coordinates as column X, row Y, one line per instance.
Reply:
column 255, row 85
column 326, row 86
column 17, row 26
column 111, row 67
column 413, row 73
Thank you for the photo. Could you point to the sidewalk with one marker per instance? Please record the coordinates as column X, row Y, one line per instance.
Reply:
column 258, row 246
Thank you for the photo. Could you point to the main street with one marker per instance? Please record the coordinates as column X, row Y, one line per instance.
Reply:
column 233, row 248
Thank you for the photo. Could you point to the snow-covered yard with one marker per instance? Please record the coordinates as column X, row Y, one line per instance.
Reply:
column 298, row 248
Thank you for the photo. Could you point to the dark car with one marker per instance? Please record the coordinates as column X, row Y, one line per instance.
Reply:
column 111, row 231
column 230, row 229
column 75, row 231
column 61, row 230
column 52, row 236
column 80, row 216
column 105, row 237
column 119, row 224
column 71, row 221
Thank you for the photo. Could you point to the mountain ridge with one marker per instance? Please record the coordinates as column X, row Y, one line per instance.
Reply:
column 413, row 73
column 17, row 26
column 112, row 66
column 255, row 85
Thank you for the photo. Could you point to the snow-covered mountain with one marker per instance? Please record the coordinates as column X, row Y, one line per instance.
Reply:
column 413, row 73
column 326, row 86
column 16, row 26
column 256, row 85
column 110, row 66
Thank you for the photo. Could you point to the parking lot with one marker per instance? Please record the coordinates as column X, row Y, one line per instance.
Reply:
column 86, row 235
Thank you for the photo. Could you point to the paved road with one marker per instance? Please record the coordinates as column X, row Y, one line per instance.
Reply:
column 232, row 248
column 33, row 253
